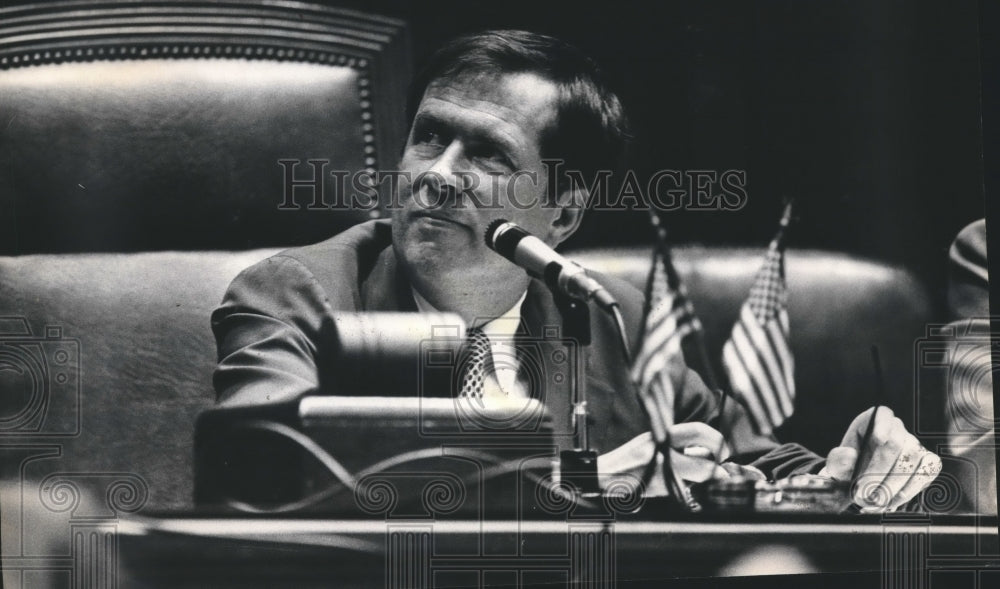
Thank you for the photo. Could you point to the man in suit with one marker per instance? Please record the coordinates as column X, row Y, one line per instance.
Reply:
column 485, row 112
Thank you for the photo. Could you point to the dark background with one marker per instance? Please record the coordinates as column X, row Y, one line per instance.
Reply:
column 867, row 112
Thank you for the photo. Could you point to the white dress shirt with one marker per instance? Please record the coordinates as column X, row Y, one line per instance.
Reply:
column 500, row 331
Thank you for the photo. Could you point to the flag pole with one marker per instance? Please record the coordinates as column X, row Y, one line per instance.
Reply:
column 786, row 219
column 674, row 486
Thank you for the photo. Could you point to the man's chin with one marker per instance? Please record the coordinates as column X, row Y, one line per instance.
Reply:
column 431, row 258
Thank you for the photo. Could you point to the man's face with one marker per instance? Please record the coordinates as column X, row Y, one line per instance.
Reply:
column 480, row 135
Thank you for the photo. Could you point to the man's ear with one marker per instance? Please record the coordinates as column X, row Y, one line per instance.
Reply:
column 572, row 203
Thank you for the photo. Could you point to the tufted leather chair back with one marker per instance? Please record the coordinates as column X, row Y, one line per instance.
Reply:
column 131, row 132
column 141, row 126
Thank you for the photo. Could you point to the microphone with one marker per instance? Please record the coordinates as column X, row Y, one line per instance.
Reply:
column 542, row 262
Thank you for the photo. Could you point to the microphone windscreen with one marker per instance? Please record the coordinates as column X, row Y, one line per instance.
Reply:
column 491, row 230
column 504, row 238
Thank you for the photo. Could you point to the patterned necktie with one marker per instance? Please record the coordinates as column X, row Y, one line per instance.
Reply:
column 477, row 364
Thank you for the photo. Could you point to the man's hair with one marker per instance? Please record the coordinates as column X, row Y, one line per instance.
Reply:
column 590, row 132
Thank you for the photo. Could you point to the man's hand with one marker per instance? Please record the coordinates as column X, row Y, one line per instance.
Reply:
column 693, row 452
column 894, row 466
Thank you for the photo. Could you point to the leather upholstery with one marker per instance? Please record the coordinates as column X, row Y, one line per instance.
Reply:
column 128, row 130
column 147, row 353
column 149, row 126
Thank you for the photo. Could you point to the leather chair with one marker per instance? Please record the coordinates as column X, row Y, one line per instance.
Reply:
column 140, row 162
column 142, row 126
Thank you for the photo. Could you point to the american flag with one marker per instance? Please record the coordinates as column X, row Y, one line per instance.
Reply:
column 669, row 317
column 757, row 357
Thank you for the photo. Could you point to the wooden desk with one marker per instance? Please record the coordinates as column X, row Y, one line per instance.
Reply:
column 886, row 551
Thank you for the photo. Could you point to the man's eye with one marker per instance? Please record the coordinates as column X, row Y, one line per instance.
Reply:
column 430, row 136
column 490, row 155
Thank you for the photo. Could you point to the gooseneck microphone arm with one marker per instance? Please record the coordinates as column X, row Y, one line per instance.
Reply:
column 568, row 278
column 559, row 274
column 572, row 288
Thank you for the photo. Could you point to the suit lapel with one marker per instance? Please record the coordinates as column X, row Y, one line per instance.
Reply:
column 539, row 312
column 549, row 380
column 386, row 287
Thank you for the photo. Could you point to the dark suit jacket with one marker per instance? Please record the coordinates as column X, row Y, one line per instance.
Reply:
column 276, row 334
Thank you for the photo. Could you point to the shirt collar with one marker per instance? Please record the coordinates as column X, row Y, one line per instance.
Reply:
column 504, row 326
